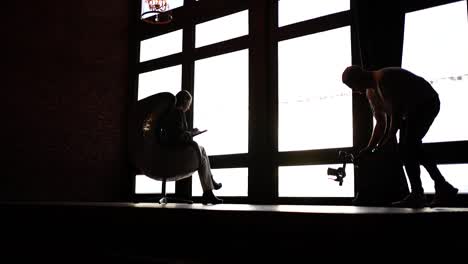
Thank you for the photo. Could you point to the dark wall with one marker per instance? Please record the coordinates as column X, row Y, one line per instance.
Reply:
column 64, row 100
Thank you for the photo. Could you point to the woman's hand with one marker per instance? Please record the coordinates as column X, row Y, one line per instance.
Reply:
column 187, row 136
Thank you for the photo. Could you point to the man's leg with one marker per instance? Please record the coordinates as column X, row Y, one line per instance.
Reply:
column 431, row 110
column 432, row 169
column 409, row 154
column 410, row 148
column 444, row 192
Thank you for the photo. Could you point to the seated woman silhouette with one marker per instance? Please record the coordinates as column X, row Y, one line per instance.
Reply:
column 176, row 132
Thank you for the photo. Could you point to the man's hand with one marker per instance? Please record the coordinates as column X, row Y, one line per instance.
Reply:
column 364, row 153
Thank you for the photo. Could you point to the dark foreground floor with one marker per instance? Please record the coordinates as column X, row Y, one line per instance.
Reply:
column 229, row 233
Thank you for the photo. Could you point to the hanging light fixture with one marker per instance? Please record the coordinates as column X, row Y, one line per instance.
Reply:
column 156, row 11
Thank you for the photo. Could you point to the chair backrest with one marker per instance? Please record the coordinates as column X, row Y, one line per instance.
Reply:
column 151, row 158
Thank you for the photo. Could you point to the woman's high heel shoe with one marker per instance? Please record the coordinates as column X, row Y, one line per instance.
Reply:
column 216, row 185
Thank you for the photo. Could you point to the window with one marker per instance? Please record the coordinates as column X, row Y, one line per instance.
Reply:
column 234, row 182
column 220, row 29
column 315, row 107
column 221, row 103
column 437, row 52
column 313, row 181
column 161, row 46
column 146, row 185
column 163, row 80
column 455, row 174
column 292, row 11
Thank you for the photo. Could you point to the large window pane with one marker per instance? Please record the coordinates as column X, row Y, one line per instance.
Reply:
column 315, row 107
column 435, row 47
column 235, row 182
column 221, row 103
column 164, row 80
column 144, row 184
column 161, row 46
column 292, row 11
column 220, row 29
column 313, row 181
column 456, row 174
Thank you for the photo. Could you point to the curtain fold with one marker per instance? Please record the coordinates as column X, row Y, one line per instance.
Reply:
column 380, row 28
column 377, row 43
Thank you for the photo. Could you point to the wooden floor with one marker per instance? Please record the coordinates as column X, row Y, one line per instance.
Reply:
column 311, row 209
column 227, row 233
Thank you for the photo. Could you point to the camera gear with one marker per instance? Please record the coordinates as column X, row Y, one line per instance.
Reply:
column 380, row 178
column 340, row 173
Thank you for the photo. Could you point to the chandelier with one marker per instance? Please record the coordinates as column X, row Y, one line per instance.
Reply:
column 156, row 11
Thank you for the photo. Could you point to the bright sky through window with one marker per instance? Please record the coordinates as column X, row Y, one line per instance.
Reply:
column 313, row 181
column 221, row 103
column 163, row 80
column 161, row 46
column 220, row 29
column 315, row 110
column 435, row 47
column 293, row 11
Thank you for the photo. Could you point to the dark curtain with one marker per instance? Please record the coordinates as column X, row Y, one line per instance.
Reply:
column 379, row 27
column 377, row 43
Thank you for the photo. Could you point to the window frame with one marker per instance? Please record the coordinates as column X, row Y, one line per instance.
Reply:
column 263, row 158
column 205, row 11
column 318, row 156
column 442, row 152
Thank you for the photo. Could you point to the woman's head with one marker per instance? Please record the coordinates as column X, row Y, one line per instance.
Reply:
column 183, row 100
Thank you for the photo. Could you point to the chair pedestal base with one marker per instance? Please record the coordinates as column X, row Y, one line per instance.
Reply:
column 165, row 200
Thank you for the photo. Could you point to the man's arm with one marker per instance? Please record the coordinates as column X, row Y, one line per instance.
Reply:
column 390, row 94
column 378, row 132
column 394, row 126
column 392, row 103
column 380, row 116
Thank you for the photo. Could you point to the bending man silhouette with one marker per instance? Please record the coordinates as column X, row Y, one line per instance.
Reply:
column 407, row 102
column 176, row 132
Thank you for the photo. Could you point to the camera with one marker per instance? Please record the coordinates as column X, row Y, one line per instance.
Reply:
column 340, row 172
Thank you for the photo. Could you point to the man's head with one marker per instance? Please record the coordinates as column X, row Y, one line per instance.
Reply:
column 183, row 100
column 357, row 79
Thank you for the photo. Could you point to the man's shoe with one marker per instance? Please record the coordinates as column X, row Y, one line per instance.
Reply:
column 412, row 200
column 209, row 198
column 444, row 196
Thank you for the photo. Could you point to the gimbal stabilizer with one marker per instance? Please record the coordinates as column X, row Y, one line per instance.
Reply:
column 340, row 173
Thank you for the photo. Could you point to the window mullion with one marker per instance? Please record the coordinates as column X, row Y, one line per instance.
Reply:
column 263, row 102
